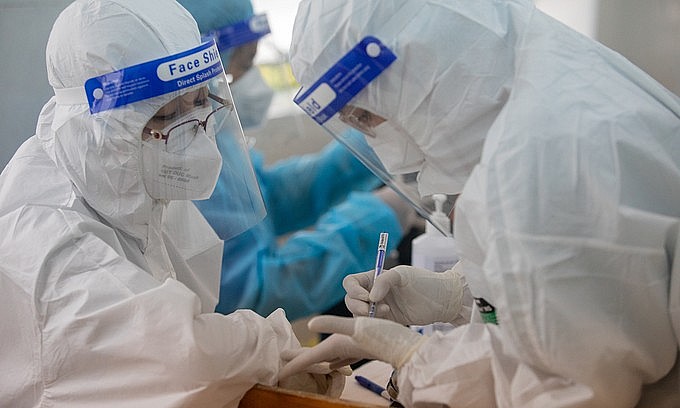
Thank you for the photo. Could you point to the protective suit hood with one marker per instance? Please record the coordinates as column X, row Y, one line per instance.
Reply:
column 101, row 152
column 445, row 92
column 214, row 15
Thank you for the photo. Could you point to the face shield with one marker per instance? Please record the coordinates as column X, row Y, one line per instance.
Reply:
column 238, row 41
column 242, row 32
column 380, row 143
column 178, row 109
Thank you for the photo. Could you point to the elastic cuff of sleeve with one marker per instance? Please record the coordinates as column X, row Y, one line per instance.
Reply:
column 407, row 356
column 458, row 286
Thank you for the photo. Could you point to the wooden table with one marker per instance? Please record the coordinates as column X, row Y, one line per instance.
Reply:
column 261, row 396
column 353, row 396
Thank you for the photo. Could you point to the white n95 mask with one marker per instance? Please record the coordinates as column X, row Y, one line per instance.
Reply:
column 394, row 149
column 186, row 167
column 252, row 97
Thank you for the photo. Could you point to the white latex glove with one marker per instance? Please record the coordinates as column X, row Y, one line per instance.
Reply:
column 355, row 339
column 405, row 213
column 407, row 295
column 330, row 385
column 315, row 378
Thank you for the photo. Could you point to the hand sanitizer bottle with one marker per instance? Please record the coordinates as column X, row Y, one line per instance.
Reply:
column 435, row 251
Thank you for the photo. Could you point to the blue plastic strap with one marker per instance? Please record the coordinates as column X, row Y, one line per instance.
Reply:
column 240, row 33
column 344, row 80
column 153, row 78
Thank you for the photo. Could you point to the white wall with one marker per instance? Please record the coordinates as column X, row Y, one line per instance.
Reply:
column 24, row 28
column 647, row 33
column 581, row 15
column 281, row 15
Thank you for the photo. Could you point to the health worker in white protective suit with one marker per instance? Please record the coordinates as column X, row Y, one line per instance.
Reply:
column 567, row 160
column 108, row 286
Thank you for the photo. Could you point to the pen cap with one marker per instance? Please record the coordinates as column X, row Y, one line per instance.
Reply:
column 382, row 242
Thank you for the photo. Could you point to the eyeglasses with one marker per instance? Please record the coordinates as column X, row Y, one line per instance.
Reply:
column 180, row 136
column 360, row 119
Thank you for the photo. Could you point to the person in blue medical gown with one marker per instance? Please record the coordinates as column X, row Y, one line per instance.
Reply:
column 322, row 203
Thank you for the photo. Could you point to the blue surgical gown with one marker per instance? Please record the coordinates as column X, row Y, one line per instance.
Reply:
column 322, row 223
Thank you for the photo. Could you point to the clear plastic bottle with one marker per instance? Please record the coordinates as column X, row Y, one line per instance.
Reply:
column 434, row 251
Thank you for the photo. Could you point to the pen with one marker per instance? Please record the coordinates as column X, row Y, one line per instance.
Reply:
column 379, row 260
column 370, row 385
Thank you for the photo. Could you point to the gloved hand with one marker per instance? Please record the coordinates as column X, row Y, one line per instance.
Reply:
column 405, row 213
column 356, row 339
column 316, row 378
column 407, row 295
column 330, row 385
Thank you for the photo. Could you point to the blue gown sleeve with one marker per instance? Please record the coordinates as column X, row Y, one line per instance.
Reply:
column 304, row 274
column 300, row 189
column 310, row 266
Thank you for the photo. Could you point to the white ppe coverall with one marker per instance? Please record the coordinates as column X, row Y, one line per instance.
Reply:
column 108, row 294
column 567, row 158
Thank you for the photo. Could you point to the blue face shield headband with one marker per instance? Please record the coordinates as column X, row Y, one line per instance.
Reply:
column 154, row 78
column 240, row 33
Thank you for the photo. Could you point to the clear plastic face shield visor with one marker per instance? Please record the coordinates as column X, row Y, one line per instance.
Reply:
column 329, row 102
column 238, row 42
column 182, row 109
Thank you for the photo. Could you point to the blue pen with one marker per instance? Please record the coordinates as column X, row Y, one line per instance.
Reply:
column 379, row 261
column 370, row 385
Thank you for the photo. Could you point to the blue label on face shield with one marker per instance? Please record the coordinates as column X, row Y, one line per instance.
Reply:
column 344, row 80
column 153, row 78
column 240, row 33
